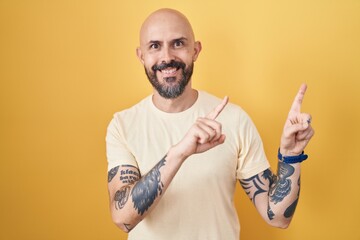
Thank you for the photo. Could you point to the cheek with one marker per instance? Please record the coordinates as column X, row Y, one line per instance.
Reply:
column 187, row 56
column 148, row 64
column 149, row 59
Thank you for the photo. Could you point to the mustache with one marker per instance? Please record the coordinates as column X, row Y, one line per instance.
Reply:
column 171, row 64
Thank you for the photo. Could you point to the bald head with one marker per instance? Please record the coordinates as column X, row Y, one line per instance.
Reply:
column 163, row 22
column 168, row 51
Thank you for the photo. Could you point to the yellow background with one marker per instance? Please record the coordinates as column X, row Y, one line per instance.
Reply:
column 66, row 66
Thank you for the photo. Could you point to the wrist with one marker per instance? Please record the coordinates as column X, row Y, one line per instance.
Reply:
column 174, row 153
column 290, row 159
column 288, row 153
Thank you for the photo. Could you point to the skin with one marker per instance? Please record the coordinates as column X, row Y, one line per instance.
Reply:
column 275, row 196
column 167, row 35
column 159, row 42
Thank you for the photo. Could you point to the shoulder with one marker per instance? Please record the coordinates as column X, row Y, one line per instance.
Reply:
column 136, row 109
column 127, row 116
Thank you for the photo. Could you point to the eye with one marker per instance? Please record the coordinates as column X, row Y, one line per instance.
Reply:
column 154, row 46
column 178, row 43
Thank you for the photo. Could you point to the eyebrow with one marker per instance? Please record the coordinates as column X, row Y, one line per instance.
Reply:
column 153, row 41
column 180, row 39
column 173, row 40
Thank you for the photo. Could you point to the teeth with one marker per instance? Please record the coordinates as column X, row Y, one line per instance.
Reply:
column 169, row 71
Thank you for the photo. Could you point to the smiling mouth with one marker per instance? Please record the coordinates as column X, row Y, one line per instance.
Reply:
column 169, row 72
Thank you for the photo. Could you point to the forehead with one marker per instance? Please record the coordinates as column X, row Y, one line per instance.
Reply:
column 165, row 26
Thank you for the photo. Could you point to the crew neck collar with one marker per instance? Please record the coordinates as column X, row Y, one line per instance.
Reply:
column 176, row 114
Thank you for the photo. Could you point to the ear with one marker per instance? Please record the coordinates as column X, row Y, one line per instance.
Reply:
column 140, row 55
column 197, row 50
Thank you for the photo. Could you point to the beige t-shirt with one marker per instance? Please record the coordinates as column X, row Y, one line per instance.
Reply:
column 198, row 203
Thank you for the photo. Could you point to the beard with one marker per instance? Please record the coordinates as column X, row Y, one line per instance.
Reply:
column 170, row 89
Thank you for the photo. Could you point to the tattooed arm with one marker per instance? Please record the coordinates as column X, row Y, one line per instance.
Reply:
column 132, row 196
column 275, row 197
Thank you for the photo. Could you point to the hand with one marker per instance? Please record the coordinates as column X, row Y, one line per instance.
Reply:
column 203, row 135
column 297, row 130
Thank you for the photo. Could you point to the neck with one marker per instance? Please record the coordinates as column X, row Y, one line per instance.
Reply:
column 179, row 104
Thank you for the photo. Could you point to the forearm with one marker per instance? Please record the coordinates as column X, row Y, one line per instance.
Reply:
column 275, row 196
column 131, row 201
column 283, row 195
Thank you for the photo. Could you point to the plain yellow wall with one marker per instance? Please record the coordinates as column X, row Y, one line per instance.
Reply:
column 66, row 66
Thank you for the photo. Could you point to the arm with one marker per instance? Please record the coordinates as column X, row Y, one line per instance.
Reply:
column 276, row 196
column 133, row 196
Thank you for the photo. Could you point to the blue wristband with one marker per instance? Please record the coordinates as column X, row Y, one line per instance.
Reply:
column 292, row 159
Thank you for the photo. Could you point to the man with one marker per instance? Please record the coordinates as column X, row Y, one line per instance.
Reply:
column 175, row 157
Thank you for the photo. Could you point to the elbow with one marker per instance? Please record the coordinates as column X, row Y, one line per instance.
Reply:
column 282, row 224
column 124, row 223
column 121, row 224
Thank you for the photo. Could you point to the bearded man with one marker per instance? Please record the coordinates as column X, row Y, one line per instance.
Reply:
column 175, row 157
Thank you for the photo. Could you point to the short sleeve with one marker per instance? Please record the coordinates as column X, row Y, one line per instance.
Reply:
column 252, row 159
column 117, row 151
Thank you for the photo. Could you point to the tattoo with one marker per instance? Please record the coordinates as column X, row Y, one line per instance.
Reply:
column 112, row 173
column 269, row 176
column 291, row 209
column 146, row 190
column 280, row 187
column 246, row 183
column 270, row 213
column 129, row 176
column 128, row 227
column 283, row 185
column 121, row 197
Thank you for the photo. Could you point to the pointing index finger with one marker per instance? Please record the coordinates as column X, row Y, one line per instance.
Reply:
column 214, row 113
column 296, row 106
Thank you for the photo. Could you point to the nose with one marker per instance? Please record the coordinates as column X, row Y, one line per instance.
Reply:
column 167, row 54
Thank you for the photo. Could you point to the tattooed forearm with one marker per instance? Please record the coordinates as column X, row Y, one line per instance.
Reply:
column 275, row 188
column 147, row 189
column 112, row 173
column 127, row 176
column 282, row 187
column 256, row 181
